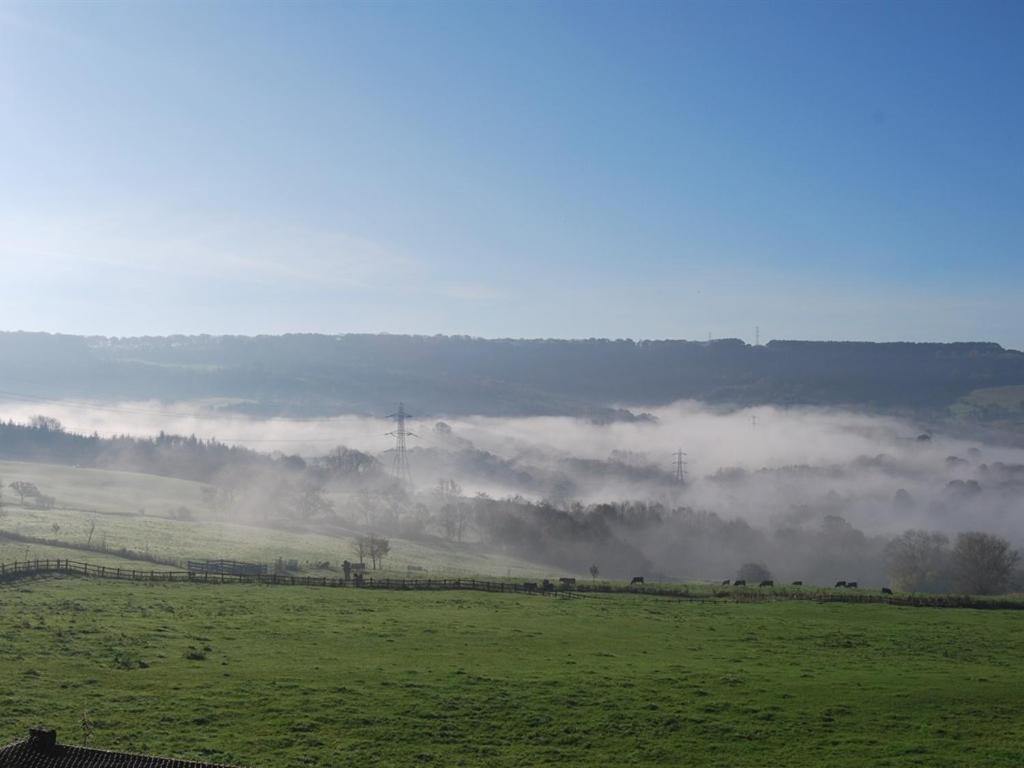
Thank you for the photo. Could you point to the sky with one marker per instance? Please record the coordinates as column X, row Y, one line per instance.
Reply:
column 821, row 170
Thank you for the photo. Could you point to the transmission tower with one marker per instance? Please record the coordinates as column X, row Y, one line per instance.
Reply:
column 680, row 457
column 400, row 459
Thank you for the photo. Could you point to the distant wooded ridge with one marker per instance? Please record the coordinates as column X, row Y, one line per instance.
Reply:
column 316, row 374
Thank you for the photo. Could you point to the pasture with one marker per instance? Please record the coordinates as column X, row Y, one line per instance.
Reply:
column 136, row 512
column 291, row 676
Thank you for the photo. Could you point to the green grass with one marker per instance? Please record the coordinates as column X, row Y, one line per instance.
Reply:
column 15, row 551
column 288, row 676
column 104, row 492
column 113, row 500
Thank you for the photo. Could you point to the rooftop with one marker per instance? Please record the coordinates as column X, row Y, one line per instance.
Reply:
column 41, row 750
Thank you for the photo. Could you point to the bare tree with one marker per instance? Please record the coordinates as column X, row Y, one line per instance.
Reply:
column 24, row 488
column 379, row 548
column 92, row 530
column 453, row 514
column 919, row 561
column 361, row 547
column 594, row 571
column 46, row 423
column 453, row 520
column 982, row 563
column 311, row 502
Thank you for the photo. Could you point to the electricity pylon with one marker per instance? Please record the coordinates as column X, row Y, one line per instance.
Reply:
column 400, row 459
column 680, row 466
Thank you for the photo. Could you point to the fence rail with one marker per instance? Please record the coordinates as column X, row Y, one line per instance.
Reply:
column 755, row 594
column 22, row 569
column 29, row 568
column 227, row 566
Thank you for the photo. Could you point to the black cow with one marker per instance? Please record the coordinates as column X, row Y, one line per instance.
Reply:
column 530, row 586
column 851, row 584
column 726, row 582
column 840, row 584
column 798, row 583
column 886, row 591
column 767, row 583
column 637, row 580
column 740, row 583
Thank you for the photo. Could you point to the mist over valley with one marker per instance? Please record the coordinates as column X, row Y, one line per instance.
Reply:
column 815, row 492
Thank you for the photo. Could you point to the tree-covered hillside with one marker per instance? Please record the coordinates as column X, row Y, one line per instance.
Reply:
column 308, row 374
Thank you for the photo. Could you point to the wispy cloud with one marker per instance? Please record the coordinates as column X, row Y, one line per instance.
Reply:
column 229, row 248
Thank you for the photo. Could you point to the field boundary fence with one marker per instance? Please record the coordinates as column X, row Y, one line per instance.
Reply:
column 29, row 568
column 34, row 568
column 822, row 595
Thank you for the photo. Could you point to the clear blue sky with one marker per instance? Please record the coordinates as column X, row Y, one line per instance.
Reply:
column 821, row 169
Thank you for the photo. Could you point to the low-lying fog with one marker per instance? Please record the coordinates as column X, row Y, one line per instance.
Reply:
column 770, row 466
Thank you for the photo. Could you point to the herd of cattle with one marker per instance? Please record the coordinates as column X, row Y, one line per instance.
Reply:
column 566, row 583
column 771, row 583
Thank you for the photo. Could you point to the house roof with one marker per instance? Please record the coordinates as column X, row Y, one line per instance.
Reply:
column 41, row 750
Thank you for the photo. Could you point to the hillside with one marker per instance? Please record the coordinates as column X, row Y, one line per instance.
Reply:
column 141, row 513
column 356, row 373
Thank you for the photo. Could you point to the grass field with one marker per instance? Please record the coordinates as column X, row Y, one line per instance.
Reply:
column 16, row 551
column 113, row 501
column 290, row 676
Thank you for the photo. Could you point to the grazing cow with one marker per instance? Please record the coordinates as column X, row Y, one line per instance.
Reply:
column 798, row 583
column 851, row 584
column 726, row 582
column 767, row 583
column 886, row 591
column 637, row 580
column 740, row 583
column 840, row 584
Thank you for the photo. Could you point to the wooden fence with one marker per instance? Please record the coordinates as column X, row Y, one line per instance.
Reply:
column 227, row 566
column 16, row 570
column 755, row 594
column 28, row 568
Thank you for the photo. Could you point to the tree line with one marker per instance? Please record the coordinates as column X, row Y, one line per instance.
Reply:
column 299, row 373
